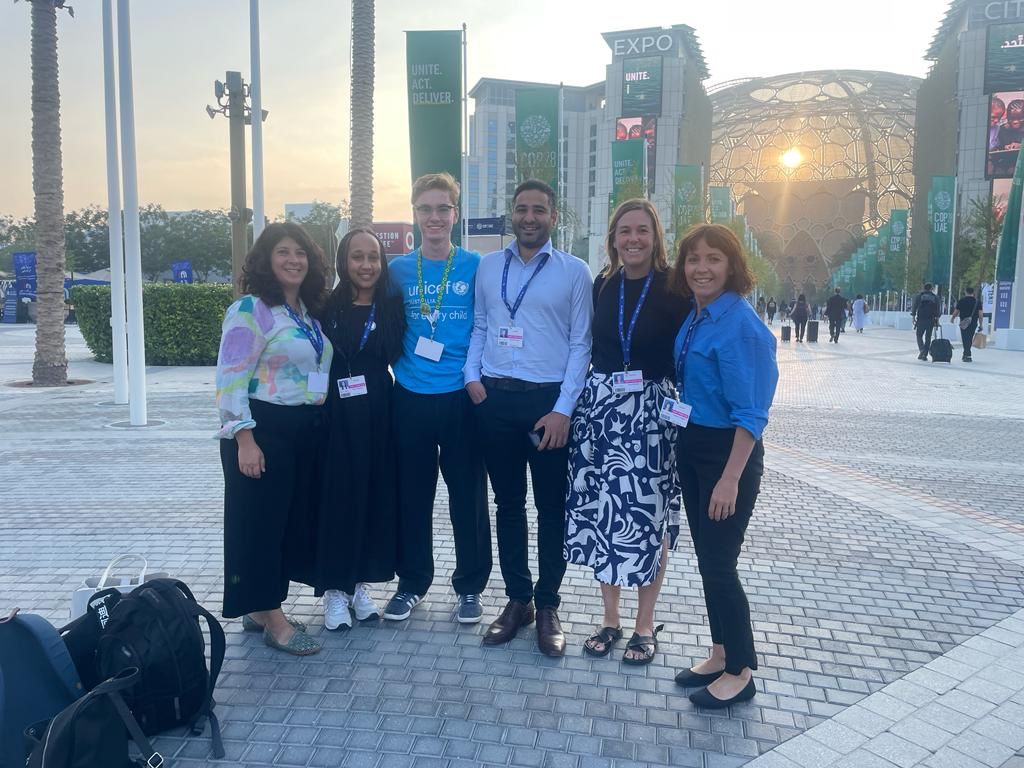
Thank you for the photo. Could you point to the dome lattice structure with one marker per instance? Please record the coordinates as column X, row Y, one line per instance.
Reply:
column 815, row 159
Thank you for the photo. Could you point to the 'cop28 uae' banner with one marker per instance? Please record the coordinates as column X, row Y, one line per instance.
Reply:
column 537, row 134
column 721, row 205
column 897, row 247
column 688, row 202
column 940, row 230
column 628, row 176
column 434, row 71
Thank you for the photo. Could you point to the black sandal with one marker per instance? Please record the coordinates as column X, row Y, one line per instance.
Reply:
column 646, row 644
column 607, row 636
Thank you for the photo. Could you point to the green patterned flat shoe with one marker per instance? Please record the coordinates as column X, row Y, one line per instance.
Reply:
column 249, row 624
column 301, row 644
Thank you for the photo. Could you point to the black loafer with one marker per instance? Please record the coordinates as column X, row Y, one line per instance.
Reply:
column 690, row 679
column 706, row 700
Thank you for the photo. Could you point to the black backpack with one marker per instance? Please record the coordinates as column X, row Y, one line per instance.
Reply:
column 92, row 732
column 155, row 629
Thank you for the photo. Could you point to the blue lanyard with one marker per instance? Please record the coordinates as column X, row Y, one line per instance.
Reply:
column 367, row 327
column 626, row 339
column 685, row 349
column 312, row 333
column 513, row 308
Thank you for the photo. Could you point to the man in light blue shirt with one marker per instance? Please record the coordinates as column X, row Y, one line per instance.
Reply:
column 432, row 415
column 526, row 367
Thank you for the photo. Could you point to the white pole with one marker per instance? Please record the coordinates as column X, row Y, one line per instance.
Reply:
column 256, row 98
column 952, row 247
column 559, row 170
column 133, row 253
column 465, row 141
column 118, row 321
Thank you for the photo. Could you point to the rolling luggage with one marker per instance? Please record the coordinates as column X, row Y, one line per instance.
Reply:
column 787, row 331
column 812, row 331
column 940, row 349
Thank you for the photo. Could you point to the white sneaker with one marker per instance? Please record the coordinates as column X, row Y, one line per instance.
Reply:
column 363, row 604
column 336, row 612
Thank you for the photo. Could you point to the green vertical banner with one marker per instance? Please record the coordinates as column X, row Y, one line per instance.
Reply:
column 537, row 134
column 898, row 234
column 629, row 178
column 434, row 72
column 872, row 267
column 721, row 205
column 943, row 210
column 688, row 202
column 1006, row 260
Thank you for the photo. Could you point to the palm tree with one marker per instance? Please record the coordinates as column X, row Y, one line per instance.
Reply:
column 50, row 367
column 361, row 122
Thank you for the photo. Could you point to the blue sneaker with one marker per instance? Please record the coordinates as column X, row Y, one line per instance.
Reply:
column 470, row 609
column 400, row 606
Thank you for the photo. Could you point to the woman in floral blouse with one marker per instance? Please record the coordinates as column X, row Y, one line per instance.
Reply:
column 272, row 378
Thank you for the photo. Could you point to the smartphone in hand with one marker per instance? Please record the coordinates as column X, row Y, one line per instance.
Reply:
column 536, row 435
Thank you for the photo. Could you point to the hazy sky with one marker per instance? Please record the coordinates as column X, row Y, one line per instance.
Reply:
column 181, row 46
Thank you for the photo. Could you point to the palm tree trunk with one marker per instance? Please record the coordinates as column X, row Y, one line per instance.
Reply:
column 361, row 123
column 50, row 367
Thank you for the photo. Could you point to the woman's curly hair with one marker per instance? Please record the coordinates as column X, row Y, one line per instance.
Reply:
column 258, row 274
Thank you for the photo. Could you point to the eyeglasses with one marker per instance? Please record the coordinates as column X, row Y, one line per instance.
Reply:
column 429, row 210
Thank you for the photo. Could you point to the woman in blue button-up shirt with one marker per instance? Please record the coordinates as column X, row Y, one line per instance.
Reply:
column 726, row 372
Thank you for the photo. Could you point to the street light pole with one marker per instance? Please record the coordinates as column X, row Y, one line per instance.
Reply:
column 236, row 133
column 256, row 93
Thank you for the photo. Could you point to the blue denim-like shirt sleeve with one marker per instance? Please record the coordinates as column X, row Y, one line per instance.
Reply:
column 749, row 375
column 581, row 315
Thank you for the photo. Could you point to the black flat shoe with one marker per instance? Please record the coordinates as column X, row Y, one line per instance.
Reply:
column 706, row 700
column 690, row 679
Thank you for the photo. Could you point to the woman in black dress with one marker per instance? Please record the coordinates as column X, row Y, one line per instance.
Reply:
column 358, row 518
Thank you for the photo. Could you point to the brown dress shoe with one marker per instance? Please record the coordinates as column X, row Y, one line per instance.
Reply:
column 516, row 614
column 550, row 638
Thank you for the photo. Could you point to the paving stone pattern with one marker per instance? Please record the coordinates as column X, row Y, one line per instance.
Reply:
column 870, row 556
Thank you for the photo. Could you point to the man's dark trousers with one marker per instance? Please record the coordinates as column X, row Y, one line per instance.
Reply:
column 505, row 419
column 835, row 325
column 433, row 430
column 967, row 337
column 924, row 335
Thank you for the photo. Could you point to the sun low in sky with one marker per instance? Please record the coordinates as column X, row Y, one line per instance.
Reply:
column 180, row 48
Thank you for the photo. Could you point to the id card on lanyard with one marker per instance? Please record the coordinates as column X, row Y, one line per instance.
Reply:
column 676, row 411
column 354, row 386
column 426, row 347
column 316, row 381
column 627, row 381
column 512, row 335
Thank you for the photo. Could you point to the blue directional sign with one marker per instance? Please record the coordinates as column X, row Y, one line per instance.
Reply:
column 182, row 271
column 25, row 274
column 492, row 226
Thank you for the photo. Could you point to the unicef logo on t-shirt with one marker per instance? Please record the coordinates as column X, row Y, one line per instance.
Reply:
column 461, row 287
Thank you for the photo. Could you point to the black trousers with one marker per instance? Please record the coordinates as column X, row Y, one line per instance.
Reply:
column 270, row 522
column 835, row 327
column 924, row 335
column 967, row 337
column 800, row 327
column 505, row 419
column 432, row 432
column 701, row 457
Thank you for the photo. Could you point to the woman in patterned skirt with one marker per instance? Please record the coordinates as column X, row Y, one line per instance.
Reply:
column 622, row 477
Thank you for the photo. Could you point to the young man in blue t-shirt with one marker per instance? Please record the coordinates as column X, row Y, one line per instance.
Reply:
column 432, row 414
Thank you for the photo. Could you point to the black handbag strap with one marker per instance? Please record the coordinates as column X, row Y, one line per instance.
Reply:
column 153, row 758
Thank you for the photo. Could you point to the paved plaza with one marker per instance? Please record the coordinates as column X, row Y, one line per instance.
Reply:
column 884, row 566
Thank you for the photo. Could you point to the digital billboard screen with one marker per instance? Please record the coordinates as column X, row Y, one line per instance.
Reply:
column 1004, row 57
column 1001, row 195
column 1005, row 133
column 627, row 128
column 641, row 86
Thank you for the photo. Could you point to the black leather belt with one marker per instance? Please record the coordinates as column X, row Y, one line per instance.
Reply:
column 517, row 385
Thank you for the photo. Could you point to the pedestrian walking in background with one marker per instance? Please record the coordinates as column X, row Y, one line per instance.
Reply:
column 860, row 313
column 525, row 383
column 358, row 528
column 800, row 315
column 432, row 415
column 926, row 312
column 272, row 378
column 968, row 311
column 726, row 376
column 761, row 308
column 835, row 310
column 771, row 308
column 622, row 509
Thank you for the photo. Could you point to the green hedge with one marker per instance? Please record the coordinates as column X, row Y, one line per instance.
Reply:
column 182, row 321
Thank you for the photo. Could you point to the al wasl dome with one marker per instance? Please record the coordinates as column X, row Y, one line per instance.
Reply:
column 814, row 159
